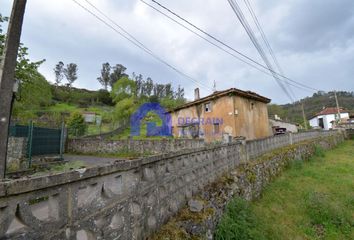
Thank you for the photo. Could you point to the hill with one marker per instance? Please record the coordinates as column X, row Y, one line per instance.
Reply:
column 312, row 105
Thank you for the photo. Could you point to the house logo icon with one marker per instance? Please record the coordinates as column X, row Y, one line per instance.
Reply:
column 152, row 129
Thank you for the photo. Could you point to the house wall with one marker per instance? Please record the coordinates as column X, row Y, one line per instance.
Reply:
column 240, row 117
column 221, row 110
column 314, row 122
column 327, row 119
column 251, row 122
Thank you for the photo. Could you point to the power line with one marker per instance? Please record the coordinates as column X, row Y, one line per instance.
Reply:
column 238, row 11
column 216, row 45
column 226, row 45
column 137, row 43
column 265, row 40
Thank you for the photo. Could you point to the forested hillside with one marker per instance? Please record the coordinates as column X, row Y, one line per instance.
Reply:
column 312, row 105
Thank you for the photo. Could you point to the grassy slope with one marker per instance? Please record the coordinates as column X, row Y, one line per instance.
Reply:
column 91, row 128
column 313, row 200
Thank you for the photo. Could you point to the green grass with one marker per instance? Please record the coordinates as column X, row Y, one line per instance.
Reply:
column 311, row 200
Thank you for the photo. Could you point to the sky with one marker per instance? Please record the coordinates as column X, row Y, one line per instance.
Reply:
column 313, row 41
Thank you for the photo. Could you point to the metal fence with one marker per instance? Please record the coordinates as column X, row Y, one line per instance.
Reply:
column 40, row 140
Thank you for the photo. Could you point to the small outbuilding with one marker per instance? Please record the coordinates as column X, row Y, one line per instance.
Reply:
column 327, row 118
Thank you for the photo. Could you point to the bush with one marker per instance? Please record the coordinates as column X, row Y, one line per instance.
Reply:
column 76, row 125
column 238, row 222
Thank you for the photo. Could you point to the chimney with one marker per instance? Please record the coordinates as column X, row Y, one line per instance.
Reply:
column 196, row 94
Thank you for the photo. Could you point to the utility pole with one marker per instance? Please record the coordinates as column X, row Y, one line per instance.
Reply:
column 7, row 76
column 335, row 96
column 303, row 115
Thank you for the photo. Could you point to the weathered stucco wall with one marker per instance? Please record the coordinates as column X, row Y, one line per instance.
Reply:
column 252, row 118
column 240, row 117
column 125, row 200
column 89, row 146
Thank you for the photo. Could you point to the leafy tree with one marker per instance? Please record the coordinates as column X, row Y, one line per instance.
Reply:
column 76, row 125
column 25, row 69
column 118, row 73
column 34, row 89
column 104, row 79
column 70, row 73
column 104, row 97
column 170, row 103
column 149, row 85
column 139, row 81
column 32, row 96
column 159, row 90
column 122, row 89
column 59, row 73
column 168, row 91
column 125, row 108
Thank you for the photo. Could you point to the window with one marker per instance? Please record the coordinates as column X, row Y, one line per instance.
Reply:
column 252, row 105
column 208, row 107
column 216, row 128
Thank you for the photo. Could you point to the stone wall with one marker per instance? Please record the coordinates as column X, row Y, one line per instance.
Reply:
column 89, row 146
column 350, row 133
column 125, row 200
column 247, row 181
column 16, row 154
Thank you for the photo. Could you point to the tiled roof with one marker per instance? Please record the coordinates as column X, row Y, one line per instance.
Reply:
column 331, row 110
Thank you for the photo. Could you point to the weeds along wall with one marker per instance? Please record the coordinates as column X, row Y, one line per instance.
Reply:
column 125, row 200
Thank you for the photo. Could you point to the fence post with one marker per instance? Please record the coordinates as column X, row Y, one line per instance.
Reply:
column 291, row 138
column 62, row 140
column 29, row 143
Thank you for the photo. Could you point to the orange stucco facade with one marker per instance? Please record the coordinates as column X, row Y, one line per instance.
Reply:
column 222, row 115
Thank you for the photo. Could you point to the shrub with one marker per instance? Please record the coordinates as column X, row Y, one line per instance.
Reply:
column 76, row 125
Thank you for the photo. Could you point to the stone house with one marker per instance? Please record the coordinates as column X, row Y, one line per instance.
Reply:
column 222, row 115
column 327, row 117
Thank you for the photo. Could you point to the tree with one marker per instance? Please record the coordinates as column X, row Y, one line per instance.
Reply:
column 180, row 93
column 104, row 79
column 59, row 73
column 139, row 81
column 118, row 73
column 168, row 91
column 149, row 86
column 34, row 89
column 76, row 125
column 124, row 88
column 32, row 96
column 124, row 109
column 70, row 73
